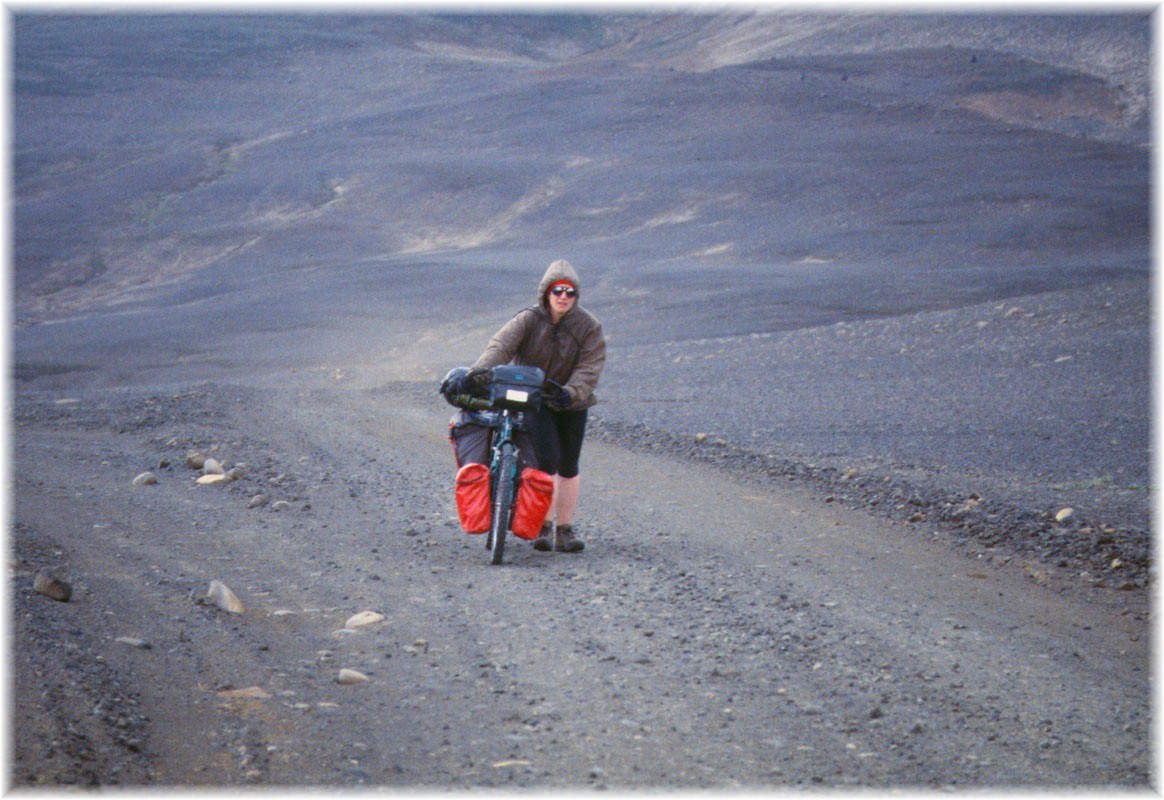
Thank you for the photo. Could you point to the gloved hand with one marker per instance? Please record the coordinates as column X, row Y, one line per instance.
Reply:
column 556, row 397
column 477, row 379
column 462, row 380
column 454, row 382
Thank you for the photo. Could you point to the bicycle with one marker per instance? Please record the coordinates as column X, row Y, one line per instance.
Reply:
column 511, row 392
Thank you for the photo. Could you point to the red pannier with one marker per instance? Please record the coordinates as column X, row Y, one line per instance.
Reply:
column 534, row 495
column 473, row 506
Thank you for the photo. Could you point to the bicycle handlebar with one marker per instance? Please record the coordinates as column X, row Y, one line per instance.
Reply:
column 473, row 403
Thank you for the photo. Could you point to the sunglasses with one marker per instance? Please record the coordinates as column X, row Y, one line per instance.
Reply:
column 569, row 291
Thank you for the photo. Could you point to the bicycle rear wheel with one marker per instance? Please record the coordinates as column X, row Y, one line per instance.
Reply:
column 503, row 494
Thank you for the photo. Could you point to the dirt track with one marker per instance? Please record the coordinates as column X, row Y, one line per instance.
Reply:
column 716, row 633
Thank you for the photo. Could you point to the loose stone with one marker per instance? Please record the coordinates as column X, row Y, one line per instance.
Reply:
column 133, row 641
column 48, row 584
column 213, row 479
column 1065, row 515
column 349, row 677
column 224, row 598
column 195, row 460
column 212, row 467
column 145, row 479
column 258, row 501
column 364, row 618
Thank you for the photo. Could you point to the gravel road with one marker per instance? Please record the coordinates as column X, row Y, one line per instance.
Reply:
column 718, row 631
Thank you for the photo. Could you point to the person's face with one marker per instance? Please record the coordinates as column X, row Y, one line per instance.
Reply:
column 562, row 299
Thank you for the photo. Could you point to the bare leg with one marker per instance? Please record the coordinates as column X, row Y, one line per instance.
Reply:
column 566, row 491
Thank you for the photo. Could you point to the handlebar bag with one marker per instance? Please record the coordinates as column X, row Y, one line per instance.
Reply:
column 517, row 388
column 473, row 506
column 534, row 495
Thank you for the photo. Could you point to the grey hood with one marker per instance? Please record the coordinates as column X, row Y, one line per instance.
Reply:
column 560, row 270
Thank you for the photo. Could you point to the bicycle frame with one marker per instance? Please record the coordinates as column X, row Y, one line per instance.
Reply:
column 507, row 422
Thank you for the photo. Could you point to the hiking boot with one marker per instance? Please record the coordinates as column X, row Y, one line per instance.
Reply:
column 566, row 541
column 545, row 540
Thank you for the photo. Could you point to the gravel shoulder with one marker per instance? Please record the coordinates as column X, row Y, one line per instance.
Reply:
column 718, row 632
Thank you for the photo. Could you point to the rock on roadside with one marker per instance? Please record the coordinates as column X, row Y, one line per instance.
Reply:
column 214, row 479
column 350, row 677
column 364, row 618
column 50, row 585
column 133, row 641
column 145, row 479
column 221, row 595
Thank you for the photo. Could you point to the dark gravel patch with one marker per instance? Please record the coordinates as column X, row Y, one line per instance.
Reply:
column 84, row 722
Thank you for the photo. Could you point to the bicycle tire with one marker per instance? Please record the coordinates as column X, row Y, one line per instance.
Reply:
column 502, row 502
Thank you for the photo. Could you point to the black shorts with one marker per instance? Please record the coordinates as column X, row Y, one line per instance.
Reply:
column 558, row 440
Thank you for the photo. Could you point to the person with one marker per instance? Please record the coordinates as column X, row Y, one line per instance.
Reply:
column 566, row 341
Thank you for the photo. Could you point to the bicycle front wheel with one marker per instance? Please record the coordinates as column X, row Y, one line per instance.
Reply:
column 503, row 494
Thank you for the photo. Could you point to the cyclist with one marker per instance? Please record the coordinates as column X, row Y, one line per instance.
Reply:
column 567, row 343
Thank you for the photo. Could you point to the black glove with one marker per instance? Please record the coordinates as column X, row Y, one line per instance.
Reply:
column 477, row 380
column 454, row 382
column 462, row 380
column 557, row 397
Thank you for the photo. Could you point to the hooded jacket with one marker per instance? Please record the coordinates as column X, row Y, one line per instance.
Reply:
column 571, row 352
